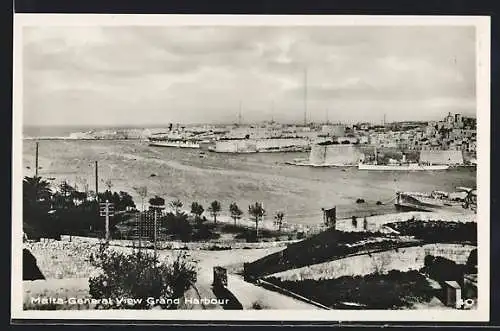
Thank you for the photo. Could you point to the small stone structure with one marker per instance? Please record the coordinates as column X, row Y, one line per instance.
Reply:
column 220, row 277
column 453, row 294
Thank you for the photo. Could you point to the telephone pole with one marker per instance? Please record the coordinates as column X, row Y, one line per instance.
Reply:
column 36, row 159
column 107, row 220
column 155, row 229
column 239, row 115
column 305, row 96
column 96, row 182
column 272, row 111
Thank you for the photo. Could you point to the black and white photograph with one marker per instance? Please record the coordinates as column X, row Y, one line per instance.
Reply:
column 250, row 167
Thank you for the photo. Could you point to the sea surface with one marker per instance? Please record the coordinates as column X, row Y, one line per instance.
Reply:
column 191, row 175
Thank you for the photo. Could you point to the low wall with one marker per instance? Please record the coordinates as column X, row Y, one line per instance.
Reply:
column 60, row 259
column 377, row 222
column 403, row 259
column 184, row 245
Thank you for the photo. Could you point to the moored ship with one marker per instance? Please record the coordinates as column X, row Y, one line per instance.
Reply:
column 179, row 143
column 401, row 167
column 465, row 199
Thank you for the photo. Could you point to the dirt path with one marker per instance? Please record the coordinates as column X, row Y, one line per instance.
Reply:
column 255, row 297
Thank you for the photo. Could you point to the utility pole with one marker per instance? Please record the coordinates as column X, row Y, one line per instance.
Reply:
column 305, row 96
column 272, row 111
column 36, row 159
column 96, row 182
column 107, row 220
column 239, row 115
column 107, row 210
column 154, row 235
column 326, row 115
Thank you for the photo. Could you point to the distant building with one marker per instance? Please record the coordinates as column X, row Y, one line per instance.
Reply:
column 335, row 130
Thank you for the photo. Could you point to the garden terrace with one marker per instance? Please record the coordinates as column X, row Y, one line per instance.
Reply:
column 394, row 290
column 326, row 246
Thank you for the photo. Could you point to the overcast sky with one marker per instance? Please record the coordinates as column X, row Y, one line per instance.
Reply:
column 115, row 76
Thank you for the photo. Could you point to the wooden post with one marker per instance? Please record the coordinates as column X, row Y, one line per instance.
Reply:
column 155, row 227
column 36, row 160
column 107, row 220
column 96, row 182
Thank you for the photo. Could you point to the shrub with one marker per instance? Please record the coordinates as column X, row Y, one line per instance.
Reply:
column 140, row 275
column 442, row 269
column 437, row 231
column 471, row 265
column 374, row 291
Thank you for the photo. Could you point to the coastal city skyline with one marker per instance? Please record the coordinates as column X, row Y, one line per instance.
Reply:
column 144, row 76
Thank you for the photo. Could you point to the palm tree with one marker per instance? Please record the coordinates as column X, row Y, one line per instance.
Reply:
column 258, row 213
column 197, row 210
column 214, row 209
column 279, row 219
column 109, row 184
column 156, row 203
column 36, row 189
column 143, row 193
column 235, row 212
column 176, row 205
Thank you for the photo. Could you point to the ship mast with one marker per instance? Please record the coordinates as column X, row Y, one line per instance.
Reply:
column 305, row 96
column 239, row 115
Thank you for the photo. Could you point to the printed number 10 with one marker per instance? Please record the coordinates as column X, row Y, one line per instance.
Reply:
column 465, row 304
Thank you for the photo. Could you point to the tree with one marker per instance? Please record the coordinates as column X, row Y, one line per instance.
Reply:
column 66, row 192
column 279, row 219
column 156, row 203
column 109, row 184
column 178, row 225
column 214, row 209
column 235, row 212
column 258, row 213
column 140, row 276
column 143, row 193
column 197, row 210
column 176, row 205
column 35, row 189
column 126, row 200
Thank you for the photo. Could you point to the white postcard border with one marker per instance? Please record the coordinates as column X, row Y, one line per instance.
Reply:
column 482, row 24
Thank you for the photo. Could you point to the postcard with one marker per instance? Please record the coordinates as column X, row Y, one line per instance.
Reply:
column 251, row 167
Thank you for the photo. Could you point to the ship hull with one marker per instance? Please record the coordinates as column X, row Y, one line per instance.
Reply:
column 176, row 145
column 410, row 202
column 377, row 167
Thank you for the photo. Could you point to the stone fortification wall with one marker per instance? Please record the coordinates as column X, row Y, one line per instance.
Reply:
column 253, row 145
column 335, row 155
column 449, row 157
column 403, row 259
column 280, row 143
column 235, row 146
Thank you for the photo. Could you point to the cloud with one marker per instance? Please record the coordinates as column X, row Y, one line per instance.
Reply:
column 142, row 75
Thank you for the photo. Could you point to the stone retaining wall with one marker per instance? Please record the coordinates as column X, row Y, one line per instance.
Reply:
column 403, row 259
column 185, row 245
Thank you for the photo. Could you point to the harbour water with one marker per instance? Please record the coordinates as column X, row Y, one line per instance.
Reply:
column 192, row 175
